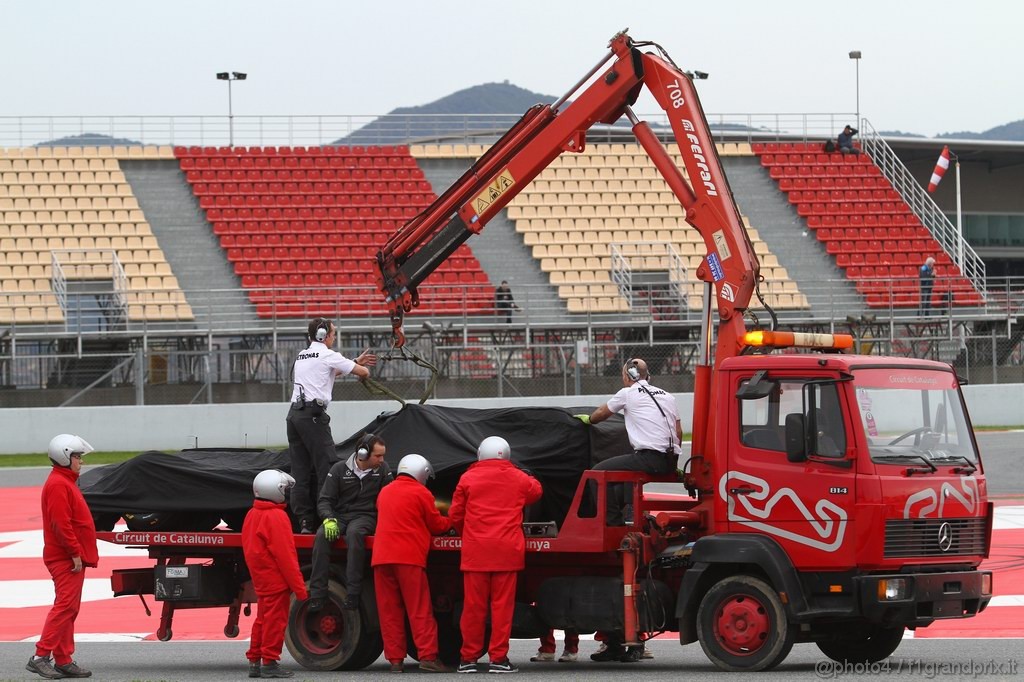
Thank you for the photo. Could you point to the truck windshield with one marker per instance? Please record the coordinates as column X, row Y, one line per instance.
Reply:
column 910, row 413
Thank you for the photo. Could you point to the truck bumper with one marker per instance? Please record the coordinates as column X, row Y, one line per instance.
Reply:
column 923, row 597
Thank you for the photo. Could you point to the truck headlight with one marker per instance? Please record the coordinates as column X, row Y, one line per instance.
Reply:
column 892, row 589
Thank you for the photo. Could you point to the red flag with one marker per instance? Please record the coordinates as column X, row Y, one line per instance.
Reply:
column 940, row 169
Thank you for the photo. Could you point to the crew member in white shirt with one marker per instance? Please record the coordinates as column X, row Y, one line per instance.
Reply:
column 655, row 433
column 652, row 425
column 310, row 442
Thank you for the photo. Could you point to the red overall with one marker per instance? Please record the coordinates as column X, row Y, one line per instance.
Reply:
column 406, row 518
column 548, row 644
column 487, row 509
column 68, row 531
column 269, row 548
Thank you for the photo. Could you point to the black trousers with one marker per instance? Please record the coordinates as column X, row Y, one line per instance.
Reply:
column 311, row 447
column 354, row 529
column 647, row 461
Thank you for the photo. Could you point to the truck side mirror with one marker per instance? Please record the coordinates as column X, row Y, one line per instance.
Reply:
column 796, row 438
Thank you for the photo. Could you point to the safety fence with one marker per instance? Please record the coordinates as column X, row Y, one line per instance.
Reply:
column 473, row 357
column 315, row 130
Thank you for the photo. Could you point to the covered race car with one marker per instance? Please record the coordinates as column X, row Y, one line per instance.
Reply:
column 198, row 489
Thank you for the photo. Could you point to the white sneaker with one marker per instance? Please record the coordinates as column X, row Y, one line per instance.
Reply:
column 543, row 657
column 647, row 654
column 602, row 648
column 568, row 657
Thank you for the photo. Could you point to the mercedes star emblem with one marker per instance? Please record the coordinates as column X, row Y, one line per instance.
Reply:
column 945, row 537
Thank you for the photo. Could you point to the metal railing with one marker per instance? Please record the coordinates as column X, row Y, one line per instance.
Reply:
column 313, row 130
column 923, row 206
column 228, row 345
column 287, row 310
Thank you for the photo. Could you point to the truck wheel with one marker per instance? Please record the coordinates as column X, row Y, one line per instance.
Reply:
column 742, row 625
column 332, row 638
column 871, row 646
column 368, row 652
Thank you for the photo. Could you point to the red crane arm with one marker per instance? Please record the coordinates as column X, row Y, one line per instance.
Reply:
column 546, row 131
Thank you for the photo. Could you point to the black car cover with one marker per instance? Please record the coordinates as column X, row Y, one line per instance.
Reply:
column 162, row 491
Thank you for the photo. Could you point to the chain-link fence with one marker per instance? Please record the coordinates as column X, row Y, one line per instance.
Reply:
column 509, row 361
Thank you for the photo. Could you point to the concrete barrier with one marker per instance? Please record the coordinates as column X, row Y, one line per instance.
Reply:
column 177, row 427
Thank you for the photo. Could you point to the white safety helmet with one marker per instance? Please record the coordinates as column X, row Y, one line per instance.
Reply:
column 416, row 466
column 493, row 447
column 272, row 485
column 63, row 446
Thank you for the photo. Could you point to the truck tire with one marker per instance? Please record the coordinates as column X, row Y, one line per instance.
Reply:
column 870, row 646
column 742, row 625
column 332, row 638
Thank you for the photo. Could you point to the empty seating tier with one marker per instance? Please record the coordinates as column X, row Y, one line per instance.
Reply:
column 301, row 226
column 71, row 208
column 864, row 224
column 585, row 205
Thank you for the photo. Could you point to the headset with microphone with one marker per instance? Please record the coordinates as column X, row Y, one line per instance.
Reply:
column 366, row 446
column 633, row 370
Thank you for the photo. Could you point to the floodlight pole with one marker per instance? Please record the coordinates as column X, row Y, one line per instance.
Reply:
column 855, row 56
column 231, row 76
column 231, row 119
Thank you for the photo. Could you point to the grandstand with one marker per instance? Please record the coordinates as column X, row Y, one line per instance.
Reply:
column 191, row 254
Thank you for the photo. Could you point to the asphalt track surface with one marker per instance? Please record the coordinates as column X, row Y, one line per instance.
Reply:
column 992, row 657
column 987, row 659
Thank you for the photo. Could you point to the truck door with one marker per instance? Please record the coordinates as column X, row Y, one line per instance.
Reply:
column 806, row 506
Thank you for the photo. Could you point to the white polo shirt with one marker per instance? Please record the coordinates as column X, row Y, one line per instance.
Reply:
column 646, row 427
column 315, row 371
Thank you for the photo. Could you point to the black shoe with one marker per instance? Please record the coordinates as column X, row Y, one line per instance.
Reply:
column 611, row 652
column 351, row 602
column 632, row 654
column 466, row 667
column 72, row 669
column 274, row 669
column 502, row 667
column 306, row 527
column 315, row 604
column 254, row 668
column 43, row 667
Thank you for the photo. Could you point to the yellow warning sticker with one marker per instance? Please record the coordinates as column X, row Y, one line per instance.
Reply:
column 493, row 191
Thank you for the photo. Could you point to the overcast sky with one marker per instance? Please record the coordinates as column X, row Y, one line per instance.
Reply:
column 928, row 66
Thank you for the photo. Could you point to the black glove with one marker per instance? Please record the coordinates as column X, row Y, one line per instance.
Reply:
column 528, row 472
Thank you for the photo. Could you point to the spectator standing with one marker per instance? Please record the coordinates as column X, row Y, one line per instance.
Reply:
column 69, row 546
column 927, row 276
column 269, row 548
column 348, row 506
column 503, row 301
column 310, row 443
column 845, row 140
column 487, row 510
column 407, row 517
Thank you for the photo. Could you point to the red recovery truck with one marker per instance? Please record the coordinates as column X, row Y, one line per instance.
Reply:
column 829, row 497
